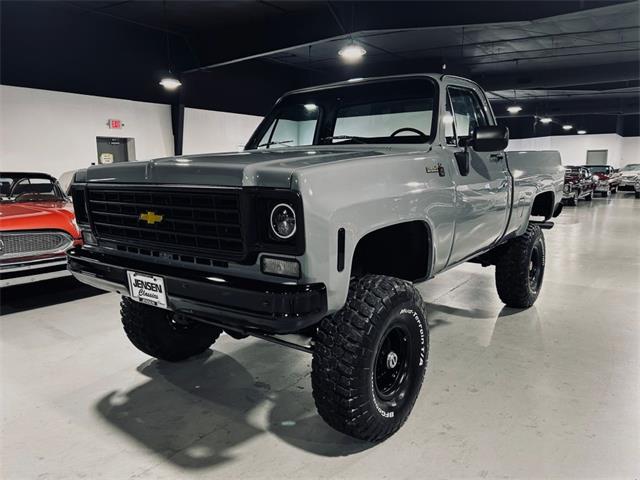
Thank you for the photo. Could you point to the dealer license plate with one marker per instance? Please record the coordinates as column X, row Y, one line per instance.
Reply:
column 147, row 289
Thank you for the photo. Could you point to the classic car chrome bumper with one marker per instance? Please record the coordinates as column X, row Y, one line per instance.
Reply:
column 629, row 185
column 32, row 271
column 230, row 302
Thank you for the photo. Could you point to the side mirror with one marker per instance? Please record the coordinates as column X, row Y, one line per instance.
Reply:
column 489, row 139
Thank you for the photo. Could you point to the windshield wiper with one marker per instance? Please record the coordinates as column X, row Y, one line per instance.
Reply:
column 281, row 142
column 345, row 137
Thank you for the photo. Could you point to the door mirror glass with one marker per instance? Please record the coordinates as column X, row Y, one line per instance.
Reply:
column 490, row 139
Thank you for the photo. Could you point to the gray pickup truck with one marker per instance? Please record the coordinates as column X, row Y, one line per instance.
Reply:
column 345, row 196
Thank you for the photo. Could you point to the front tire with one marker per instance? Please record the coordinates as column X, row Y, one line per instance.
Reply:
column 520, row 270
column 370, row 358
column 164, row 335
column 573, row 201
column 589, row 197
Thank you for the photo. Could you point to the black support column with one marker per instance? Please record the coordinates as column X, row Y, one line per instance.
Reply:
column 177, row 123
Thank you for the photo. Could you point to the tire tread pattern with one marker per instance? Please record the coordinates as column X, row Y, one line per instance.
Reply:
column 149, row 329
column 340, row 388
column 512, row 270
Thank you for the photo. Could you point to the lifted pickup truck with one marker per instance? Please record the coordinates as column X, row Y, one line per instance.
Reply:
column 345, row 196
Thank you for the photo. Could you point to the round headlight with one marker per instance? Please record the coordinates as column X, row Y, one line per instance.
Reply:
column 283, row 221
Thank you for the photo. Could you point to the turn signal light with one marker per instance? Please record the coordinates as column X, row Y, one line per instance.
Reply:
column 282, row 267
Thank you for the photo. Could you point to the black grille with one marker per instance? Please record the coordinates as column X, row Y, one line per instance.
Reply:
column 193, row 220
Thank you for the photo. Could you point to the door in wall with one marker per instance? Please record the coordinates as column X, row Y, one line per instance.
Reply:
column 597, row 157
column 114, row 150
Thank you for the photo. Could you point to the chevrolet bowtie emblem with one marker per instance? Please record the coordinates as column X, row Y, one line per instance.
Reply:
column 151, row 217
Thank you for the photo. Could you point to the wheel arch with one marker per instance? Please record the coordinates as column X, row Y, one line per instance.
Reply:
column 404, row 250
column 543, row 205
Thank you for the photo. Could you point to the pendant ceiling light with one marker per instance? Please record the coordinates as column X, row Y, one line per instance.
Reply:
column 352, row 52
column 170, row 82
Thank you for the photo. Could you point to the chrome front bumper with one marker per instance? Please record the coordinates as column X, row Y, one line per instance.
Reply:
column 32, row 271
column 628, row 185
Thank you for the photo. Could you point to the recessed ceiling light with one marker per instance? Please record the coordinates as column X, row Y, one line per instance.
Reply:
column 567, row 127
column 581, row 132
column 514, row 109
column 352, row 52
column 170, row 83
column 310, row 107
column 545, row 120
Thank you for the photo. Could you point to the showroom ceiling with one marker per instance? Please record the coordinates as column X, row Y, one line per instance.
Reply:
column 563, row 58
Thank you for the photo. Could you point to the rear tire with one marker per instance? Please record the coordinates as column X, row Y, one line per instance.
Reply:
column 589, row 197
column 614, row 190
column 520, row 270
column 605, row 194
column 163, row 335
column 370, row 358
column 637, row 194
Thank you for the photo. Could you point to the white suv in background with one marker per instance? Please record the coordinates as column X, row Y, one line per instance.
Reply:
column 630, row 179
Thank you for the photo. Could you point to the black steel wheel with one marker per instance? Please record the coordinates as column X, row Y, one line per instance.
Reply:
column 536, row 267
column 370, row 358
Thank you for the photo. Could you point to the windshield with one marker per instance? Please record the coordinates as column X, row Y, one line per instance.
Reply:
column 598, row 169
column 631, row 167
column 391, row 111
column 23, row 187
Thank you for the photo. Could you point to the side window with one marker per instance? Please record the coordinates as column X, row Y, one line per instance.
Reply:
column 295, row 125
column 468, row 112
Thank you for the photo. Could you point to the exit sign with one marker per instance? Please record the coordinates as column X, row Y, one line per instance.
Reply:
column 113, row 123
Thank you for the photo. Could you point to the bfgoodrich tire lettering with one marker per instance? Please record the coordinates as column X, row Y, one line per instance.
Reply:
column 156, row 332
column 370, row 358
column 520, row 269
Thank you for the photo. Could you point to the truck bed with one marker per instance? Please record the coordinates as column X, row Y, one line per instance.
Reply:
column 533, row 172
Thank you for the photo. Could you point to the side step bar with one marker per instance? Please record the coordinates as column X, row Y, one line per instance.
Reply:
column 543, row 225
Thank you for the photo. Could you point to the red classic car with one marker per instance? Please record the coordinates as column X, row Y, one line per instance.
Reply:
column 606, row 177
column 37, row 226
column 578, row 183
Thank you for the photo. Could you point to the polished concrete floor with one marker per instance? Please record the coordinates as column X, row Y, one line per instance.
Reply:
column 549, row 392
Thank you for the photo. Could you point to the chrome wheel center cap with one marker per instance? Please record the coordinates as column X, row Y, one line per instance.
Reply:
column 392, row 360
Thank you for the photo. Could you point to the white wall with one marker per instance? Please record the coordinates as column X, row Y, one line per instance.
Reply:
column 573, row 148
column 630, row 150
column 53, row 132
column 208, row 131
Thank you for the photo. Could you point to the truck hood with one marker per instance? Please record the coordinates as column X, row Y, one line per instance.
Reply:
column 264, row 168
